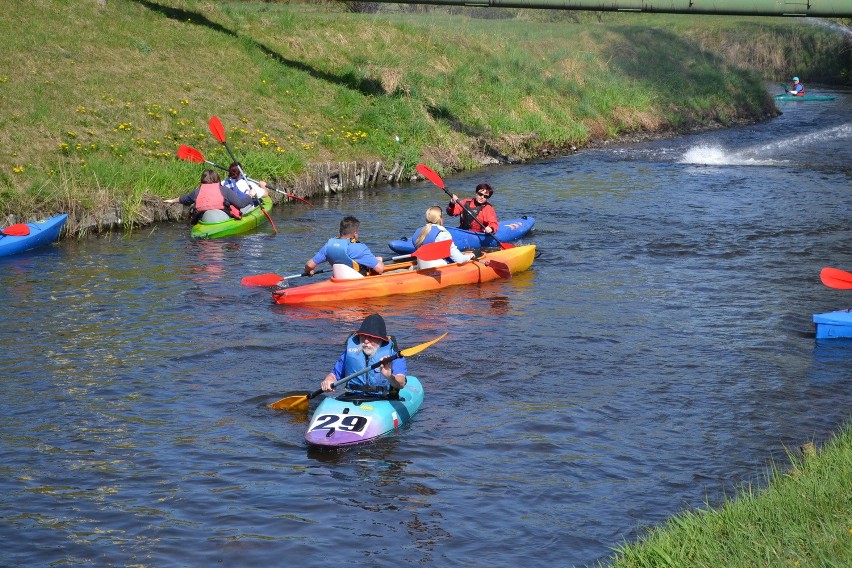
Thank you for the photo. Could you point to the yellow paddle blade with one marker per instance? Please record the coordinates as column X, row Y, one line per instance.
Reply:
column 418, row 348
column 298, row 403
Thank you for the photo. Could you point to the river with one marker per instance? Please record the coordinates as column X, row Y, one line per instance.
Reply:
column 659, row 354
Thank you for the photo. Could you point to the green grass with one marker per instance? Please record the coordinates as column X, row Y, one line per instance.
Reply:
column 95, row 100
column 801, row 518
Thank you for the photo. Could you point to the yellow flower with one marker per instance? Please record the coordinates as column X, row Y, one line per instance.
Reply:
column 18, row 169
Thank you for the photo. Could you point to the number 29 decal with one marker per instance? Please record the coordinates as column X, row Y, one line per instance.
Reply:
column 343, row 422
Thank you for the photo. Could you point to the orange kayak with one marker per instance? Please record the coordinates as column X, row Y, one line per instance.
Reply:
column 396, row 279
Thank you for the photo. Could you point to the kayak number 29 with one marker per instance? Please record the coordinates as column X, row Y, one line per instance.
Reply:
column 346, row 422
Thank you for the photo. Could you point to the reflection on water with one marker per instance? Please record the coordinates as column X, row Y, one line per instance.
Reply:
column 659, row 354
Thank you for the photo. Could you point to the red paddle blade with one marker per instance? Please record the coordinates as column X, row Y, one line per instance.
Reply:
column 216, row 128
column 504, row 246
column 836, row 278
column 17, row 230
column 433, row 251
column 190, row 154
column 501, row 268
column 430, row 174
column 297, row 198
column 268, row 279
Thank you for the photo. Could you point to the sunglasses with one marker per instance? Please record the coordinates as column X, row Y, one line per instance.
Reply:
column 483, row 193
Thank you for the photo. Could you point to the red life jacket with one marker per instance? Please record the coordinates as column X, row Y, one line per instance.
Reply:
column 209, row 198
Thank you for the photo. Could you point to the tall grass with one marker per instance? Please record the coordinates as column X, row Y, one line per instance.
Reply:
column 97, row 99
column 803, row 517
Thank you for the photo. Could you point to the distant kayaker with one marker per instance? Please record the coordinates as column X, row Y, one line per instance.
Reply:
column 212, row 196
column 238, row 181
column 476, row 213
column 798, row 89
column 349, row 258
column 367, row 346
column 434, row 232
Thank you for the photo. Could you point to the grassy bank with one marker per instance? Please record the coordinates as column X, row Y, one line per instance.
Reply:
column 803, row 517
column 95, row 99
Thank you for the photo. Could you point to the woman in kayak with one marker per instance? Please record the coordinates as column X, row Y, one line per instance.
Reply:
column 798, row 89
column 349, row 258
column 476, row 213
column 434, row 232
column 212, row 196
column 367, row 346
column 238, row 181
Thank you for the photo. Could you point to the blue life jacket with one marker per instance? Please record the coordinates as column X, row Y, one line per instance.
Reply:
column 372, row 382
column 337, row 252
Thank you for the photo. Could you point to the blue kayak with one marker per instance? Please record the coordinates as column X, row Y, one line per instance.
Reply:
column 509, row 231
column 833, row 324
column 42, row 233
column 348, row 420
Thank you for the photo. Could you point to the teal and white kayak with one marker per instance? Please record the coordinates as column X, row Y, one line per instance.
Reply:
column 231, row 227
column 37, row 234
column 348, row 420
column 804, row 98
column 833, row 325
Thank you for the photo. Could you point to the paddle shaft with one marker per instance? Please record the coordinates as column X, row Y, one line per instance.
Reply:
column 363, row 371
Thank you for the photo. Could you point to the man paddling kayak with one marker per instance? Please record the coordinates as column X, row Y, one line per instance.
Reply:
column 364, row 348
column 798, row 89
column 349, row 258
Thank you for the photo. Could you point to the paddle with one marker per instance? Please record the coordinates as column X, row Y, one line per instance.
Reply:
column 836, row 278
column 300, row 402
column 190, row 154
column 432, row 251
column 433, row 176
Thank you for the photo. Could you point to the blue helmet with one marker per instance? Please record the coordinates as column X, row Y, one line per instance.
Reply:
column 795, row 78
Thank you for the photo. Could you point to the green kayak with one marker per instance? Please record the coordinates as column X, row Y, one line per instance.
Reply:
column 231, row 227
column 804, row 98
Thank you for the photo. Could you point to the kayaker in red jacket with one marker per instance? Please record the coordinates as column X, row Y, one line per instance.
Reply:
column 476, row 214
column 211, row 195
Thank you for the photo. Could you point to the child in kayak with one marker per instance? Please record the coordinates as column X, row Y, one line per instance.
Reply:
column 238, row 181
column 434, row 232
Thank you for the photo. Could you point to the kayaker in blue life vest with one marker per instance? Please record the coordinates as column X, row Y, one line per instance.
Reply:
column 798, row 89
column 211, row 195
column 434, row 232
column 349, row 258
column 367, row 346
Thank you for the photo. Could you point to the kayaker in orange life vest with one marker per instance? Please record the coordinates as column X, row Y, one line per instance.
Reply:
column 211, row 195
column 480, row 215
column 798, row 89
column 367, row 346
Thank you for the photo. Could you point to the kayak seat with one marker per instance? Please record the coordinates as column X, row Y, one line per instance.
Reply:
column 343, row 272
column 215, row 216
